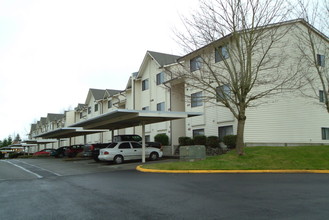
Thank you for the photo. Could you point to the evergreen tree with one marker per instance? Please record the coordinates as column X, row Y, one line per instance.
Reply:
column 17, row 138
column 10, row 140
column 5, row 142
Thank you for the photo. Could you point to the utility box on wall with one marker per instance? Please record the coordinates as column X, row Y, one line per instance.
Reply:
column 192, row 153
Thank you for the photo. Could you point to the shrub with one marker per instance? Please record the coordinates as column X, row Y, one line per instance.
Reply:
column 200, row 140
column 13, row 155
column 162, row 138
column 230, row 141
column 184, row 141
column 213, row 141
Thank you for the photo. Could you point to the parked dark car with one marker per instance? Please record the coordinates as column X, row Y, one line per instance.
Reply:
column 73, row 150
column 127, row 137
column 153, row 144
column 92, row 150
column 59, row 152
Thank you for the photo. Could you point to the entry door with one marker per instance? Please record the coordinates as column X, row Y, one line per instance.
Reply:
column 137, row 150
column 126, row 150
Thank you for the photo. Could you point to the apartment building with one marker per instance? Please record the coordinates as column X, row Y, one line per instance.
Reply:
column 287, row 118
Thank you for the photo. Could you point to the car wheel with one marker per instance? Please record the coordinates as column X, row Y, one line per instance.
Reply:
column 118, row 159
column 154, row 156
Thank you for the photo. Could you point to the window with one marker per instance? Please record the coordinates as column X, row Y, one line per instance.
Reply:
column 221, row 53
column 195, row 63
column 81, row 115
column 160, row 78
column 223, row 92
column 196, row 99
column 325, row 133
column 321, row 60
column 224, row 130
column 125, row 145
column 109, row 104
column 89, row 110
column 136, row 145
column 145, row 84
column 161, row 106
column 198, row 132
column 146, row 108
column 96, row 107
column 321, row 95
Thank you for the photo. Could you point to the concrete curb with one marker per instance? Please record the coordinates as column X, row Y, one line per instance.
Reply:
column 139, row 168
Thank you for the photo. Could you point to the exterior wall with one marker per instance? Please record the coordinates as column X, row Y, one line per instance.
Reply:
column 178, row 127
column 289, row 119
column 284, row 119
column 151, row 97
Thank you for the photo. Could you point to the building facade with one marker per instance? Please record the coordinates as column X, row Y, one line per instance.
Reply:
column 287, row 118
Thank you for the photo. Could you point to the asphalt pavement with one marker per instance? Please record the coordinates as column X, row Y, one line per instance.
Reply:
column 121, row 192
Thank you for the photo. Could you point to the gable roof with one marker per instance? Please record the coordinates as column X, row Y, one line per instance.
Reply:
column 161, row 59
column 54, row 117
column 42, row 121
column 33, row 127
column 80, row 107
column 112, row 92
column 133, row 76
column 98, row 94
column 289, row 22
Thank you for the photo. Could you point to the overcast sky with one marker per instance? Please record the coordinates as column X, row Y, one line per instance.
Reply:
column 53, row 51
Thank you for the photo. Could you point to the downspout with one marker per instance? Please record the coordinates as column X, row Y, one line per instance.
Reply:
column 133, row 96
column 171, row 124
column 170, row 104
column 101, row 136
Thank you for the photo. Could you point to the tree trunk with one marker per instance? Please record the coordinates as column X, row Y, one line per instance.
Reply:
column 239, row 136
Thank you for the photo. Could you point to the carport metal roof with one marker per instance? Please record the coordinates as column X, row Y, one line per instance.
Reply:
column 39, row 141
column 68, row 132
column 123, row 118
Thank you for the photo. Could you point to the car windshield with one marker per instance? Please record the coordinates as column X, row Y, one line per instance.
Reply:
column 111, row 145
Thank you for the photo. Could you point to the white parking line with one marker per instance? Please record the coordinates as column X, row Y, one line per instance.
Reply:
column 41, row 168
column 29, row 171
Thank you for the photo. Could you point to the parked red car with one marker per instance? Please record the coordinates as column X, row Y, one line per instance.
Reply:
column 45, row 152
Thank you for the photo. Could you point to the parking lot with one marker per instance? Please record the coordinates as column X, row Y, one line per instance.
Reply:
column 48, row 167
column 83, row 189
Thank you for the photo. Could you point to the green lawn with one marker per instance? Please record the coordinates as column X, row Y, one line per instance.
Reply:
column 259, row 158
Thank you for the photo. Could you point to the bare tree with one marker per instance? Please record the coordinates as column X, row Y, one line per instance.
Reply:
column 313, row 45
column 236, row 54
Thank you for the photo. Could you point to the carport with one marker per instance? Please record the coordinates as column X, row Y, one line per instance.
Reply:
column 124, row 118
column 68, row 132
column 35, row 142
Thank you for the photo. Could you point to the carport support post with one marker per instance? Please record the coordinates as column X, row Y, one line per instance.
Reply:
column 143, row 142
